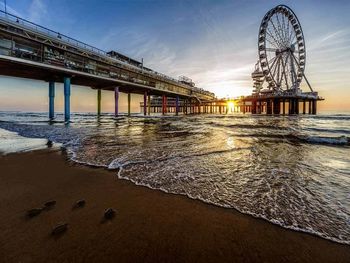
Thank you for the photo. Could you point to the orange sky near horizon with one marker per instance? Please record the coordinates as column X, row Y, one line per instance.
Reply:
column 83, row 99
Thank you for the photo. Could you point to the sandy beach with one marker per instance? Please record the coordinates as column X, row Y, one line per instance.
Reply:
column 150, row 226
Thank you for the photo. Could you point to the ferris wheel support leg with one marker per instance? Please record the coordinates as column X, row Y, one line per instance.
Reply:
column 308, row 83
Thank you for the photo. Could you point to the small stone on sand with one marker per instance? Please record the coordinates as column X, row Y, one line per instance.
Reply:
column 80, row 203
column 50, row 204
column 109, row 213
column 34, row 212
column 59, row 229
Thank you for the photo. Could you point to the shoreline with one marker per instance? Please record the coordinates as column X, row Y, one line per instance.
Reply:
column 150, row 225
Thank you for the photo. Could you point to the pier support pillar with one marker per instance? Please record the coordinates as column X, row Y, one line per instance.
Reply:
column 310, row 107
column 291, row 106
column 314, row 107
column 253, row 110
column 296, row 103
column 51, row 100
column 177, row 105
column 145, row 103
column 99, row 102
column 268, row 106
column 66, row 85
column 284, row 106
column 163, row 104
column 149, row 104
column 304, row 106
column 116, row 100
column 276, row 106
column 129, row 104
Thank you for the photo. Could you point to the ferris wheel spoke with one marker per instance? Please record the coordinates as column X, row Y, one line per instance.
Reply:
column 280, row 29
column 288, row 30
column 294, row 38
column 274, row 28
column 292, row 64
column 279, row 73
column 276, row 41
column 271, row 49
column 291, row 36
column 285, row 72
column 272, row 59
column 274, row 70
column 284, row 29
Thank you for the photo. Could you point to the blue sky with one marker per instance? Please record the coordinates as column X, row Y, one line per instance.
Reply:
column 213, row 42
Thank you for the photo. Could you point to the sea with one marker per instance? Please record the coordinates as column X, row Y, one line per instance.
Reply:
column 293, row 171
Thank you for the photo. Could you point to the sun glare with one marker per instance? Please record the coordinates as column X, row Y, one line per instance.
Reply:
column 230, row 105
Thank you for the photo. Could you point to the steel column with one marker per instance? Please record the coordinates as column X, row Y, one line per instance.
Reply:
column 268, row 106
column 163, row 104
column 314, row 107
column 145, row 103
column 149, row 104
column 276, row 106
column 291, row 106
column 177, row 105
column 253, row 110
column 51, row 100
column 310, row 107
column 116, row 100
column 99, row 102
column 66, row 85
column 296, row 111
column 129, row 104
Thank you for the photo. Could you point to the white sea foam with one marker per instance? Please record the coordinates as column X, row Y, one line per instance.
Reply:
column 11, row 142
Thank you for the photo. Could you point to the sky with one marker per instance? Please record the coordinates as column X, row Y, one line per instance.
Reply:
column 214, row 42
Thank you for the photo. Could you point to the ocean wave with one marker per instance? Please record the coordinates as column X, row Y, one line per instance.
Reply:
column 327, row 130
column 341, row 140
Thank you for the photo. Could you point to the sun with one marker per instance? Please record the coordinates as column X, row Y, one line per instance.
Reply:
column 230, row 105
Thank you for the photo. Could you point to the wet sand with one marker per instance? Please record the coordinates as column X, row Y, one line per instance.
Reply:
column 150, row 226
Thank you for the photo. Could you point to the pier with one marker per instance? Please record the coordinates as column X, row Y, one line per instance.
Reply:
column 28, row 50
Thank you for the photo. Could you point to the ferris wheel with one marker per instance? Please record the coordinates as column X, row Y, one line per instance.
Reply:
column 281, row 49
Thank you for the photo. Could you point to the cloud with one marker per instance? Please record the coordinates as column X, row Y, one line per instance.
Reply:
column 37, row 10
